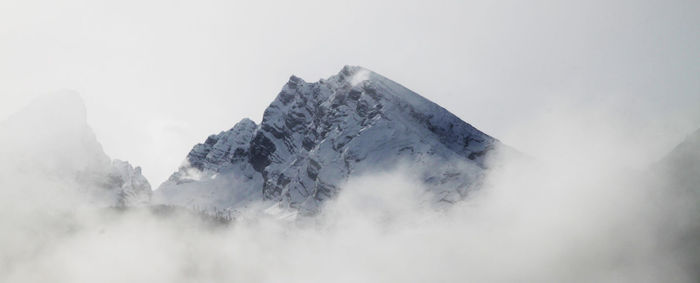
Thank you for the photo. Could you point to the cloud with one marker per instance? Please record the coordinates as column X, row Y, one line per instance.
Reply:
column 359, row 76
column 573, row 212
column 532, row 221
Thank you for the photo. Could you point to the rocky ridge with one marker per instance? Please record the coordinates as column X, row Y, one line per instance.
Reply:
column 314, row 136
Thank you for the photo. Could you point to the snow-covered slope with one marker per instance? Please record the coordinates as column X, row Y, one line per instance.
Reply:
column 50, row 140
column 314, row 136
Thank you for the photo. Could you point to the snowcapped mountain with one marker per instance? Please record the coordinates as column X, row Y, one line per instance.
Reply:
column 314, row 136
column 51, row 140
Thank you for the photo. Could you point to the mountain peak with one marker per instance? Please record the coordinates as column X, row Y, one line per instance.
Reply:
column 314, row 136
column 349, row 70
column 294, row 80
column 348, row 74
column 51, row 135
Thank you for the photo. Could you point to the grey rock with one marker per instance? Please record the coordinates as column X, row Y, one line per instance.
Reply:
column 314, row 136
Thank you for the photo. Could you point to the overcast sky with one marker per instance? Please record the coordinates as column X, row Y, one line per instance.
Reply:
column 159, row 76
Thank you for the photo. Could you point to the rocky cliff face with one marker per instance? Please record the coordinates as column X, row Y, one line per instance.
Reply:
column 314, row 136
column 50, row 139
column 131, row 186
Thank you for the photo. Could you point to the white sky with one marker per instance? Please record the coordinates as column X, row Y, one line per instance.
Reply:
column 160, row 76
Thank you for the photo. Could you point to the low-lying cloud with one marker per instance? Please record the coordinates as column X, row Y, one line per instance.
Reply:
column 534, row 220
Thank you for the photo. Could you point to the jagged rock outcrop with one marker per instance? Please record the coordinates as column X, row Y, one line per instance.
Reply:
column 314, row 136
column 132, row 186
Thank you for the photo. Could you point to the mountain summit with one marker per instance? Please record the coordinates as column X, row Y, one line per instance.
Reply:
column 314, row 136
column 51, row 139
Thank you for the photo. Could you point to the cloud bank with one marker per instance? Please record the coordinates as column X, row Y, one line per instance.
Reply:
column 581, row 217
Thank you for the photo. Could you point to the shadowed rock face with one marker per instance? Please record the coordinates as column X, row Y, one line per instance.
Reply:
column 314, row 136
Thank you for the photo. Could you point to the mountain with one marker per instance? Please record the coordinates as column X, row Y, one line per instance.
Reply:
column 51, row 140
column 682, row 164
column 314, row 136
column 677, row 199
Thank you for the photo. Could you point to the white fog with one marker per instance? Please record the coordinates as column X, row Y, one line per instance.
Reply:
column 349, row 141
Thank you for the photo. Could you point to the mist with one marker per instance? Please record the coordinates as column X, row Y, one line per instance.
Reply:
column 573, row 213
column 159, row 76
column 590, row 99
